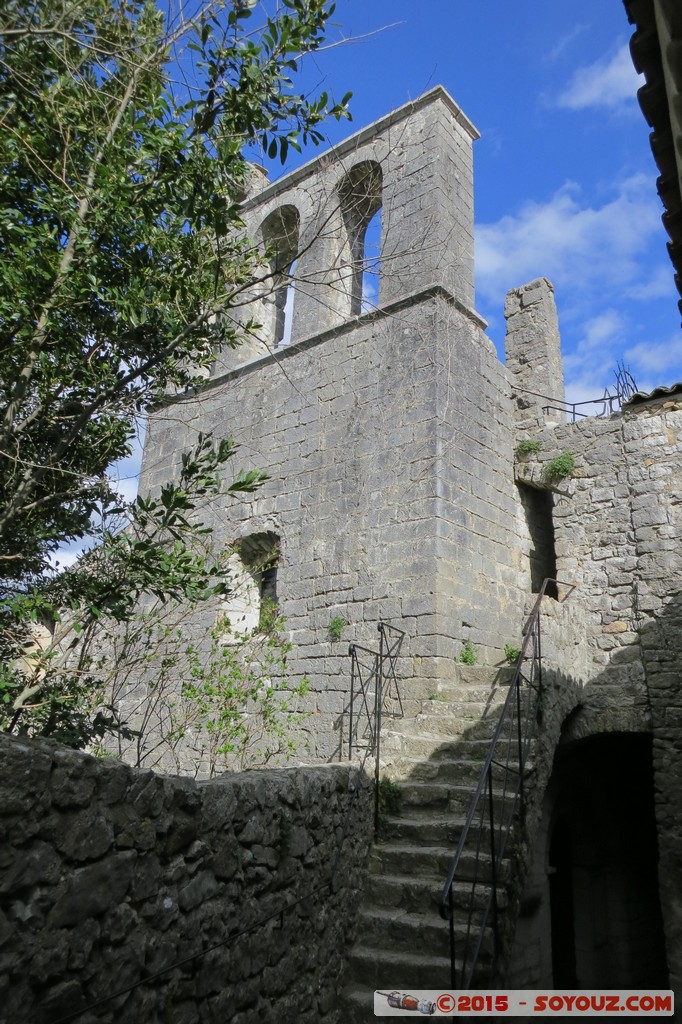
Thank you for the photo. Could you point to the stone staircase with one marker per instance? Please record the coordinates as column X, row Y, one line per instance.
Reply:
column 434, row 753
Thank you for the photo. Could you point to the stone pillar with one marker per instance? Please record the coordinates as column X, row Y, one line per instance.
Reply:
column 533, row 350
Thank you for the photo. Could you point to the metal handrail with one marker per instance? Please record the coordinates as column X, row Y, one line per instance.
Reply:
column 381, row 673
column 610, row 404
column 482, row 806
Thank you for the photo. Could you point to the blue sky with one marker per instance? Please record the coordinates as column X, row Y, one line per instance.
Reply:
column 563, row 173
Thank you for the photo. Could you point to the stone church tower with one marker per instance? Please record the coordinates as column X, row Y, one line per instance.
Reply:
column 413, row 479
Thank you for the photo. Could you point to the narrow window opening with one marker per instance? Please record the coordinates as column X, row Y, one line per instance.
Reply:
column 280, row 233
column 538, row 507
column 361, row 198
column 371, row 263
column 283, row 327
column 268, row 585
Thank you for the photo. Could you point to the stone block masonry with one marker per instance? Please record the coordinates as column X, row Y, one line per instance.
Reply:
column 247, row 883
column 414, row 478
column 387, row 436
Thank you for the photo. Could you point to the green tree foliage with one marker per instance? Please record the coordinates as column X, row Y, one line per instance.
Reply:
column 124, row 268
column 202, row 701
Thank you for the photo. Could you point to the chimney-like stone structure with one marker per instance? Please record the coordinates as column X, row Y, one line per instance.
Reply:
column 533, row 351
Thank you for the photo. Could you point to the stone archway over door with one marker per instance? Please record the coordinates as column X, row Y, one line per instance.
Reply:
column 602, row 860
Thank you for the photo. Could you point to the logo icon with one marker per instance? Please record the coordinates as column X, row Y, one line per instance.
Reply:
column 446, row 1002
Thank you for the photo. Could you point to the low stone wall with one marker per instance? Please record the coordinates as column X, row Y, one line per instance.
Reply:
column 110, row 876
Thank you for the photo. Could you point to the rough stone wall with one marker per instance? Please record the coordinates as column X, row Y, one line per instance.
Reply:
column 389, row 441
column 387, row 437
column 480, row 586
column 110, row 876
column 389, row 452
column 618, row 540
column 653, row 449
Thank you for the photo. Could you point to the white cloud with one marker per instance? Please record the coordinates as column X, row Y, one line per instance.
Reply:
column 124, row 474
column 587, row 248
column 610, row 82
column 657, row 358
column 590, row 366
column 593, row 362
column 659, row 285
column 587, row 389
column 370, row 291
column 602, row 329
column 565, row 42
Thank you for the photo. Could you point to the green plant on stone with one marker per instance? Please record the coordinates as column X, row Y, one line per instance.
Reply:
column 560, row 467
column 203, row 700
column 336, row 627
column 129, row 271
column 390, row 800
column 511, row 653
column 529, row 446
column 468, row 655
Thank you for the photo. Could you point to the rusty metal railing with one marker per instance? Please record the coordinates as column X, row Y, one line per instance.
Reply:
column 475, row 879
column 374, row 680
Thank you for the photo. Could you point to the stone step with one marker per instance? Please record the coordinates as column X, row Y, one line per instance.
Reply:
column 424, row 749
column 390, row 969
column 455, row 774
column 467, row 706
column 462, row 679
column 434, row 749
column 403, row 930
column 443, row 795
column 485, row 694
column 417, row 894
column 357, row 1002
column 441, row 728
column 423, row 824
column 444, row 718
column 428, row 866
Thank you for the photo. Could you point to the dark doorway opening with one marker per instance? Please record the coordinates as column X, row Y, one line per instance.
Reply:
column 538, row 506
column 561, row 906
column 607, row 929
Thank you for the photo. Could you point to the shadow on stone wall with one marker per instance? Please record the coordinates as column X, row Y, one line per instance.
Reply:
column 247, row 884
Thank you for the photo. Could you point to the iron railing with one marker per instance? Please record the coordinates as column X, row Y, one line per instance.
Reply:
column 476, row 874
column 608, row 403
column 374, row 682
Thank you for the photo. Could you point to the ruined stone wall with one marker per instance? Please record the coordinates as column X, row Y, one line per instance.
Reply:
column 110, row 876
column 619, row 541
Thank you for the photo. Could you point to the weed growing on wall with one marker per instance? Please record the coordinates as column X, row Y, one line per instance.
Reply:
column 560, row 467
column 529, row 446
column 336, row 627
column 511, row 653
column 390, row 800
column 468, row 655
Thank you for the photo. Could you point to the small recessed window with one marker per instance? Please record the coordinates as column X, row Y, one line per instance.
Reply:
column 538, row 507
